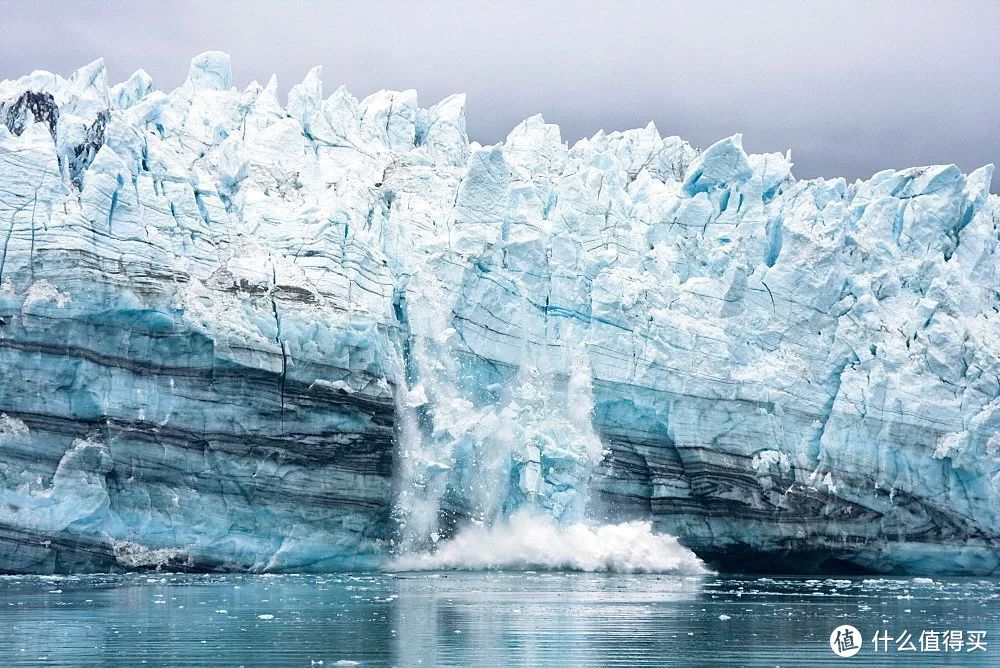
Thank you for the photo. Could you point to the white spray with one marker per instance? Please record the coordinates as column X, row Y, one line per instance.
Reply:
column 519, row 464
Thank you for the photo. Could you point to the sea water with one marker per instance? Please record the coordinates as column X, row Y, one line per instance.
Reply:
column 487, row 619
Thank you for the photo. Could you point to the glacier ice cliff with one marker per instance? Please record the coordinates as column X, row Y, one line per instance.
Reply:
column 241, row 335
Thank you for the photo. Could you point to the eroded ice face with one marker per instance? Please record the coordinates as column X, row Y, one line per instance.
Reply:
column 241, row 309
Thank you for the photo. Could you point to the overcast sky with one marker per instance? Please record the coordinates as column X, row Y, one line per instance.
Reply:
column 849, row 87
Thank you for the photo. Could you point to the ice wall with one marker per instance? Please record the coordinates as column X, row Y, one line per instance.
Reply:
column 221, row 316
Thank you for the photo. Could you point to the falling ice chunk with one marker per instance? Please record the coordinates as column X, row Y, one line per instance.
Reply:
column 416, row 397
column 444, row 335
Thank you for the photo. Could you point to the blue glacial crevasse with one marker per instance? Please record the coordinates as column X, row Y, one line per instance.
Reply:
column 241, row 335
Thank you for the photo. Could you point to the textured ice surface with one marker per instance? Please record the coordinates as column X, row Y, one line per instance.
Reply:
column 219, row 314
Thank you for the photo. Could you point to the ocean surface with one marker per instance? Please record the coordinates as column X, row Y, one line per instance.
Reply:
column 490, row 619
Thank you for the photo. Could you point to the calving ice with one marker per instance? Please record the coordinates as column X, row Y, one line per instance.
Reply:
column 241, row 335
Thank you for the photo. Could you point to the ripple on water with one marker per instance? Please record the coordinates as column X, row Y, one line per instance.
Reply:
column 469, row 618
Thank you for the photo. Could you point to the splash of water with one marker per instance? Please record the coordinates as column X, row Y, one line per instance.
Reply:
column 531, row 541
column 514, row 459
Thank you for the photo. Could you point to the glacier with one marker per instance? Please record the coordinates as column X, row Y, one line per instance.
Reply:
column 241, row 335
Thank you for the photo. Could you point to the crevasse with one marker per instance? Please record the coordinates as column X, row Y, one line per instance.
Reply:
column 237, row 334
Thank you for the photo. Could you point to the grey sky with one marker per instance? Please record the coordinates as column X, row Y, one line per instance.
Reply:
column 849, row 87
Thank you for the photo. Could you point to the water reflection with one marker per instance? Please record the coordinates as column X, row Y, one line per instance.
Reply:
column 477, row 619
column 530, row 618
